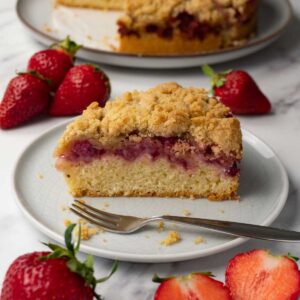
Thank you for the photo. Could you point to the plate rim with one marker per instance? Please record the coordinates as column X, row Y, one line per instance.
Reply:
column 143, row 258
column 130, row 55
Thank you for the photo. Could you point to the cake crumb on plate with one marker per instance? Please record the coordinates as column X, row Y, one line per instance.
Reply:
column 67, row 222
column 186, row 212
column 199, row 240
column 172, row 238
column 160, row 226
column 86, row 231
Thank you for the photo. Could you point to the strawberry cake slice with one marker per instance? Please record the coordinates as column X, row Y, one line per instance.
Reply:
column 168, row 141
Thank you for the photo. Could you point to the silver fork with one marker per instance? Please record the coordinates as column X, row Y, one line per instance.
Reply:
column 128, row 224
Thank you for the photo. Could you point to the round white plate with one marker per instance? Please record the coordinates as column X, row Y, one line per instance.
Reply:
column 96, row 30
column 41, row 193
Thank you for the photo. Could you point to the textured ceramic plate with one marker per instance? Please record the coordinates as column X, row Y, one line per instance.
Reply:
column 41, row 193
column 96, row 30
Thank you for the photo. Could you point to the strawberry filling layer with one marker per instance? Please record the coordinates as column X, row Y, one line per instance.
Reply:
column 177, row 151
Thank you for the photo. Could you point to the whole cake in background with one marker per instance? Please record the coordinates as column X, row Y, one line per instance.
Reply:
column 168, row 141
column 170, row 27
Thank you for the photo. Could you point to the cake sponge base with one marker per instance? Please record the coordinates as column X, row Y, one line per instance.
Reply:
column 113, row 176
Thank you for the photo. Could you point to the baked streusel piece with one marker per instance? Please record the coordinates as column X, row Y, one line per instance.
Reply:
column 160, row 27
column 168, row 141
column 98, row 4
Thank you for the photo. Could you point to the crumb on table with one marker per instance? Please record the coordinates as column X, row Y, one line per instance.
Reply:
column 172, row 238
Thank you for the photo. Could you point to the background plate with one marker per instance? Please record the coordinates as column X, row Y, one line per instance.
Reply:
column 41, row 192
column 85, row 26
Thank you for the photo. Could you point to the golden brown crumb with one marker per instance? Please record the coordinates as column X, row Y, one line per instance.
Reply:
column 40, row 176
column 186, row 212
column 86, row 230
column 222, row 211
column 81, row 201
column 172, row 238
column 199, row 240
column 160, row 226
column 67, row 222
column 65, row 208
column 105, row 204
column 47, row 28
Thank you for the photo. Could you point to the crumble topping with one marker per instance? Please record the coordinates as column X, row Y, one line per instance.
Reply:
column 172, row 238
column 166, row 110
column 140, row 14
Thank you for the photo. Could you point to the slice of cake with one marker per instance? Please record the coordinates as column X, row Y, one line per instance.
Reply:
column 160, row 27
column 168, row 141
column 98, row 4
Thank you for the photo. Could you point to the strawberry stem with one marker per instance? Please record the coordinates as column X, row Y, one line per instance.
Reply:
column 295, row 258
column 158, row 279
column 216, row 79
column 36, row 74
column 84, row 269
column 68, row 45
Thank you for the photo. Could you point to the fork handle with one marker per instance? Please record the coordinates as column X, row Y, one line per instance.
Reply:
column 240, row 229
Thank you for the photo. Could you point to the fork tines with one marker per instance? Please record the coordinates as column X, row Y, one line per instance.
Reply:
column 96, row 216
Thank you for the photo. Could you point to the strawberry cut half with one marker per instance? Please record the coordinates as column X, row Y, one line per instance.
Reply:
column 195, row 286
column 258, row 275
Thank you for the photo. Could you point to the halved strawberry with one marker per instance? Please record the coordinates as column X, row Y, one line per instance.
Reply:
column 194, row 286
column 258, row 275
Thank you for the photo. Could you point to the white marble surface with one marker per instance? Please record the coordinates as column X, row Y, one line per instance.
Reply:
column 277, row 70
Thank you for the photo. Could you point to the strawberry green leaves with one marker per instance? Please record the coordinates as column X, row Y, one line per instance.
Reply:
column 84, row 269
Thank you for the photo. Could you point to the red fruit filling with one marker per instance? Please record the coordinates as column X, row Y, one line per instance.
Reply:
column 177, row 151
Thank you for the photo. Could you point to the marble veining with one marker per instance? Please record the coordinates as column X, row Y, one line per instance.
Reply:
column 277, row 70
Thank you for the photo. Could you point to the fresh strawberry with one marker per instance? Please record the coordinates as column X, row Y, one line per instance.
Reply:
column 27, row 95
column 82, row 85
column 258, row 275
column 191, row 287
column 52, row 275
column 238, row 91
column 54, row 63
